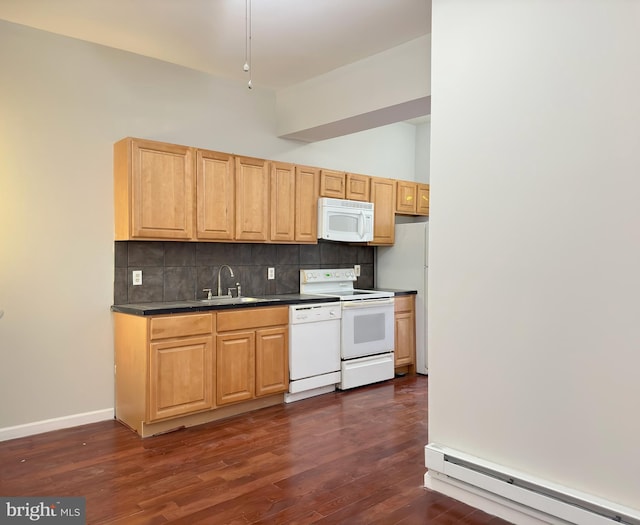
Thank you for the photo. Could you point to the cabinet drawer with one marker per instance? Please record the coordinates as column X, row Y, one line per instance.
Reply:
column 180, row 326
column 252, row 318
column 403, row 303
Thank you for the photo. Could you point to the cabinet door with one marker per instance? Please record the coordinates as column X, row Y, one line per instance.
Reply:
column 405, row 332
column 215, row 195
column 235, row 367
column 272, row 364
column 307, row 190
column 332, row 184
column 423, row 199
column 405, row 338
column 383, row 196
column 406, row 197
column 180, row 377
column 154, row 190
column 252, row 199
column 357, row 187
column 283, row 202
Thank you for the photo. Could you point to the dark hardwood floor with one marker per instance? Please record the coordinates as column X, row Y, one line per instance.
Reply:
column 353, row 457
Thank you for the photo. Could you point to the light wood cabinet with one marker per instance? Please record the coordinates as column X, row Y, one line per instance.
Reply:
column 412, row 198
column 423, row 195
column 283, row 205
column 154, row 187
column 215, row 196
column 235, row 372
column 272, row 361
column 252, row 199
column 357, row 187
column 383, row 196
column 332, row 184
column 164, row 367
column 405, row 332
column 172, row 192
column 178, row 370
column 406, row 197
column 306, row 213
column 180, row 377
column 252, row 353
column 294, row 203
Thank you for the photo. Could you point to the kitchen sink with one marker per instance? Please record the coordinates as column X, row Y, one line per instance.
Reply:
column 230, row 300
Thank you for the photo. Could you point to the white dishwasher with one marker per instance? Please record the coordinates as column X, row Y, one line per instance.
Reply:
column 314, row 349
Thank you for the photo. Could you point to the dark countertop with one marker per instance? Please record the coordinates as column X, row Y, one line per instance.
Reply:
column 181, row 307
column 397, row 292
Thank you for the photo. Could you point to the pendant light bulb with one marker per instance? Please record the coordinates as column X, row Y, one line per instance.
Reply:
column 245, row 68
column 249, row 84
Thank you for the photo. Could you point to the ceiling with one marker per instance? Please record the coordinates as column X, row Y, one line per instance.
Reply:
column 291, row 40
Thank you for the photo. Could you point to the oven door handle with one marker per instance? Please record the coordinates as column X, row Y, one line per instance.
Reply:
column 368, row 303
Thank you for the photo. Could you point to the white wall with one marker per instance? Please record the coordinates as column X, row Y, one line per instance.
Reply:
column 387, row 87
column 63, row 103
column 534, row 347
column 423, row 151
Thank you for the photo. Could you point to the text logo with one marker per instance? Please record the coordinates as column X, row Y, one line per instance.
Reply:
column 49, row 510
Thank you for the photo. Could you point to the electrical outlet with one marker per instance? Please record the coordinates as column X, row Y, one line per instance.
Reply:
column 356, row 269
column 137, row 277
column 271, row 273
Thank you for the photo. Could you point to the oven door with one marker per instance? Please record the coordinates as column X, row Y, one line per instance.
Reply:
column 367, row 328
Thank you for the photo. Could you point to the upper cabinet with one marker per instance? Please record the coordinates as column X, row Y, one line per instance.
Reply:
column 341, row 185
column 252, row 199
column 154, row 186
column 357, row 187
column 383, row 196
column 170, row 192
column 412, row 198
column 283, row 195
column 215, row 208
column 306, row 213
column 422, row 205
column 294, row 203
column 406, row 197
column 332, row 184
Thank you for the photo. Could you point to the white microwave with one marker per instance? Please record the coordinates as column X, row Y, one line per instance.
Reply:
column 345, row 220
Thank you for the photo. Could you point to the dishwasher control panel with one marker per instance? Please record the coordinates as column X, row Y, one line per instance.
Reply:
column 312, row 313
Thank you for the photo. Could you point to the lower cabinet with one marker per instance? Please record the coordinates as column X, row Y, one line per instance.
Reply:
column 235, row 371
column 178, row 370
column 405, row 333
column 180, row 378
column 272, row 360
column 252, row 349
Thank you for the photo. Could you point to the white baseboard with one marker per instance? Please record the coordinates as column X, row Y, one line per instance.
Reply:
column 517, row 496
column 487, row 502
column 47, row 425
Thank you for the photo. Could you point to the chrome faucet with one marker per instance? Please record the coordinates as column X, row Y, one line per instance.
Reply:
column 219, row 282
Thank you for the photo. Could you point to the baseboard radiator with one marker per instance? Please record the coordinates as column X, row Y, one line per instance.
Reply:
column 542, row 498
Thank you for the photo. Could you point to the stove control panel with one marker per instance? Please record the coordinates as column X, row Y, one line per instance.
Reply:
column 327, row 275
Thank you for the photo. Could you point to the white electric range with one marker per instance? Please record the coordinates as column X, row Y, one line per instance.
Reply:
column 366, row 328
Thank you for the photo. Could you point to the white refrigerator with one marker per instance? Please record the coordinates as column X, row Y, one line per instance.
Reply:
column 404, row 266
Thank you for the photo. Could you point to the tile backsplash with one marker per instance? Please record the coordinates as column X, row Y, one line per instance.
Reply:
column 177, row 271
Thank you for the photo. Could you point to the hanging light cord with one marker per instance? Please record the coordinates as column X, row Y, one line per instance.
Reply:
column 247, row 40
